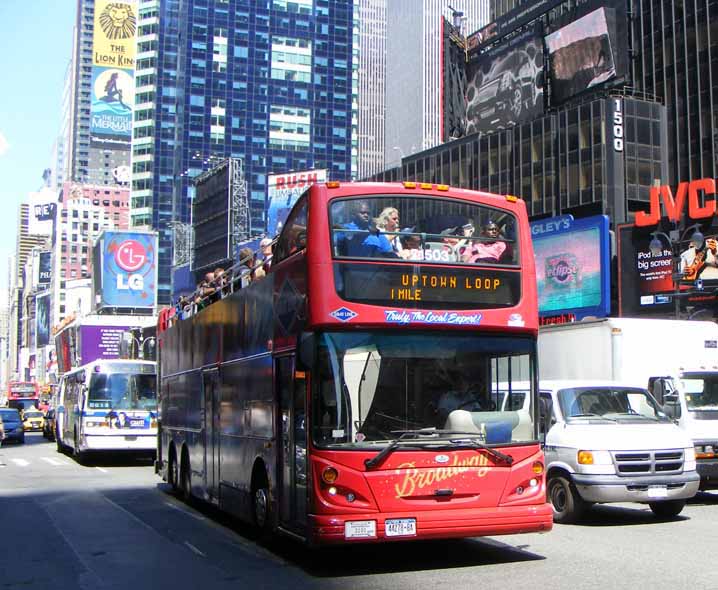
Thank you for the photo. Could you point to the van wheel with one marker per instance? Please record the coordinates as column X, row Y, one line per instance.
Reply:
column 668, row 508
column 568, row 506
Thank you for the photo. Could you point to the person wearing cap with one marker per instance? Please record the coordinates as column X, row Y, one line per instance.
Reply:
column 454, row 242
column 489, row 249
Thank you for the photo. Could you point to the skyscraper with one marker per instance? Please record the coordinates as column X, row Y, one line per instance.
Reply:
column 268, row 83
column 413, row 70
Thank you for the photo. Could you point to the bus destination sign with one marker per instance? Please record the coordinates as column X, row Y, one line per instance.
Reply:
column 434, row 288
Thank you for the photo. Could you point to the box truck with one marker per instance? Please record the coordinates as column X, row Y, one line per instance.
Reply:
column 677, row 360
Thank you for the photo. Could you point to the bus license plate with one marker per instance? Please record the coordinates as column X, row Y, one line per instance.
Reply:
column 657, row 492
column 400, row 527
column 360, row 529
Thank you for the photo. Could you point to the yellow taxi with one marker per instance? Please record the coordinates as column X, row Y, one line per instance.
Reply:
column 32, row 419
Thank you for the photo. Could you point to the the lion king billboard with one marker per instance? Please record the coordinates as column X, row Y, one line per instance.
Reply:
column 113, row 68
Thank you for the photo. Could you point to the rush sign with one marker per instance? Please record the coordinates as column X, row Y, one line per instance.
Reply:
column 675, row 206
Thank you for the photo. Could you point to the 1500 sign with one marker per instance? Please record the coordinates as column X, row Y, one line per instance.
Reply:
column 617, row 125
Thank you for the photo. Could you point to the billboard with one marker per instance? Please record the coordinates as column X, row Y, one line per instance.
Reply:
column 113, row 65
column 283, row 190
column 100, row 342
column 44, row 275
column 453, row 89
column 505, row 84
column 42, row 319
column 211, row 221
column 127, row 277
column 646, row 284
column 512, row 20
column 587, row 52
column 573, row 265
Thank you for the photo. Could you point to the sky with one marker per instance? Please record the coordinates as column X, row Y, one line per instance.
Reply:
column 35, row 48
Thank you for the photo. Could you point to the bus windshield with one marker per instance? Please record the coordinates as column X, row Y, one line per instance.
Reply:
column 122, row 391
column 372, row 386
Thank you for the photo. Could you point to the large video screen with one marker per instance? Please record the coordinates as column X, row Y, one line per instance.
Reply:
column 505, row 85
column 572, row 265
column 582, row 54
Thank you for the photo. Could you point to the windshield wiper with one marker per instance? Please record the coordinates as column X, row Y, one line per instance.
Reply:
column 433, row 432
column 600, row 416
column 403, row 435
column 476, row 444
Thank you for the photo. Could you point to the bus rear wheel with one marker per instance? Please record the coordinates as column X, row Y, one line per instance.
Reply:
column 172, row 470
column 186, row 480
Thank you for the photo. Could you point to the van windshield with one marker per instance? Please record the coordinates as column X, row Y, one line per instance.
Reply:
column 122, row 391
column 615, row 403
column 701, row 391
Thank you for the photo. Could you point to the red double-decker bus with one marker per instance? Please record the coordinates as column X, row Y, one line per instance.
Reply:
column 363, row 390
column 23, row 394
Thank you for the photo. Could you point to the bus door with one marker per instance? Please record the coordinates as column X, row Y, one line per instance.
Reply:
column 211, row 431
column 292, row 459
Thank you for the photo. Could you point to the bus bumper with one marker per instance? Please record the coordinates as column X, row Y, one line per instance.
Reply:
column 125, row 442
column 438, row 524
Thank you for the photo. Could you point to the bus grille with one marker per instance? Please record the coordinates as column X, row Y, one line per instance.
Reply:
column 648, row 462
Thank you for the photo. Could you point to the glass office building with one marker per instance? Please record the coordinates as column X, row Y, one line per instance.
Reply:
column 271, row 82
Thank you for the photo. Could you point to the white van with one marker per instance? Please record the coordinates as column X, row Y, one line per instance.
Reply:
column 608, row 442
column 676, row 359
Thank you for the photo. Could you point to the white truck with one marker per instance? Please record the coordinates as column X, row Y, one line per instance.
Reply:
column 607, row 442
column 677, row 360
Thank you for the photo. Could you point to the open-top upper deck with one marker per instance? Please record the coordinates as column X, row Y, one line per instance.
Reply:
column 413, row 254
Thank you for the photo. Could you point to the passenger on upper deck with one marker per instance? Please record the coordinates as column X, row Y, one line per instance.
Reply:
column 489, row 250
column 377, row 244
column 266, row 247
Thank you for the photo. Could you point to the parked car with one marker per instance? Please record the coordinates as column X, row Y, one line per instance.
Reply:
column 48, row 428
column 14, row 430
column 32, row 419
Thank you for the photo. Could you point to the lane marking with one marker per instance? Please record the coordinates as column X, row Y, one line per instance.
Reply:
column 53, row 461
column 20, row 462
column 194, row 549
column 101, row 469
column 187, row 512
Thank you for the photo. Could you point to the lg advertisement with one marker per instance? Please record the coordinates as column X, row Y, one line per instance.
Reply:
column 572, row 265
column 128, row 270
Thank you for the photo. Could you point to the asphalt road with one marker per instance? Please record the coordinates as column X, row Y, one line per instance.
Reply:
column 114, row 524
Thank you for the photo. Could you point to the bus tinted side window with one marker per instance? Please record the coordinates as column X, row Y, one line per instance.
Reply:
column 294, row 235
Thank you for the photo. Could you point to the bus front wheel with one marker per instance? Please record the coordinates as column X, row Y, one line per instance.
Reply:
column 261, row 504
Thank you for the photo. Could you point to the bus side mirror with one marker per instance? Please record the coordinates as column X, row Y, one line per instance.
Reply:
column 81, row 377
column 307, row 349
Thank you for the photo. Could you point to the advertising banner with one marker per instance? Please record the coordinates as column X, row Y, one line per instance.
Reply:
column 512, row 20
column 128, row 270
column 646, row 284
column 42, row 319
column 283, row 190
column 113, row 74
column 573, row 269
column 505, row 85
column 44, row 268
column 100, row 342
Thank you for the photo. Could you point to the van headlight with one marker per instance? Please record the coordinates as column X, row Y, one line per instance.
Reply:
column 689, row 462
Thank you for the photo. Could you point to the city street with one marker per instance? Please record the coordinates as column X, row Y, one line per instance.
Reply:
column 113, row 524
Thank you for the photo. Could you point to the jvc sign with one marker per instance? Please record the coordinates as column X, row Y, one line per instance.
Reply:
column 687, row 193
